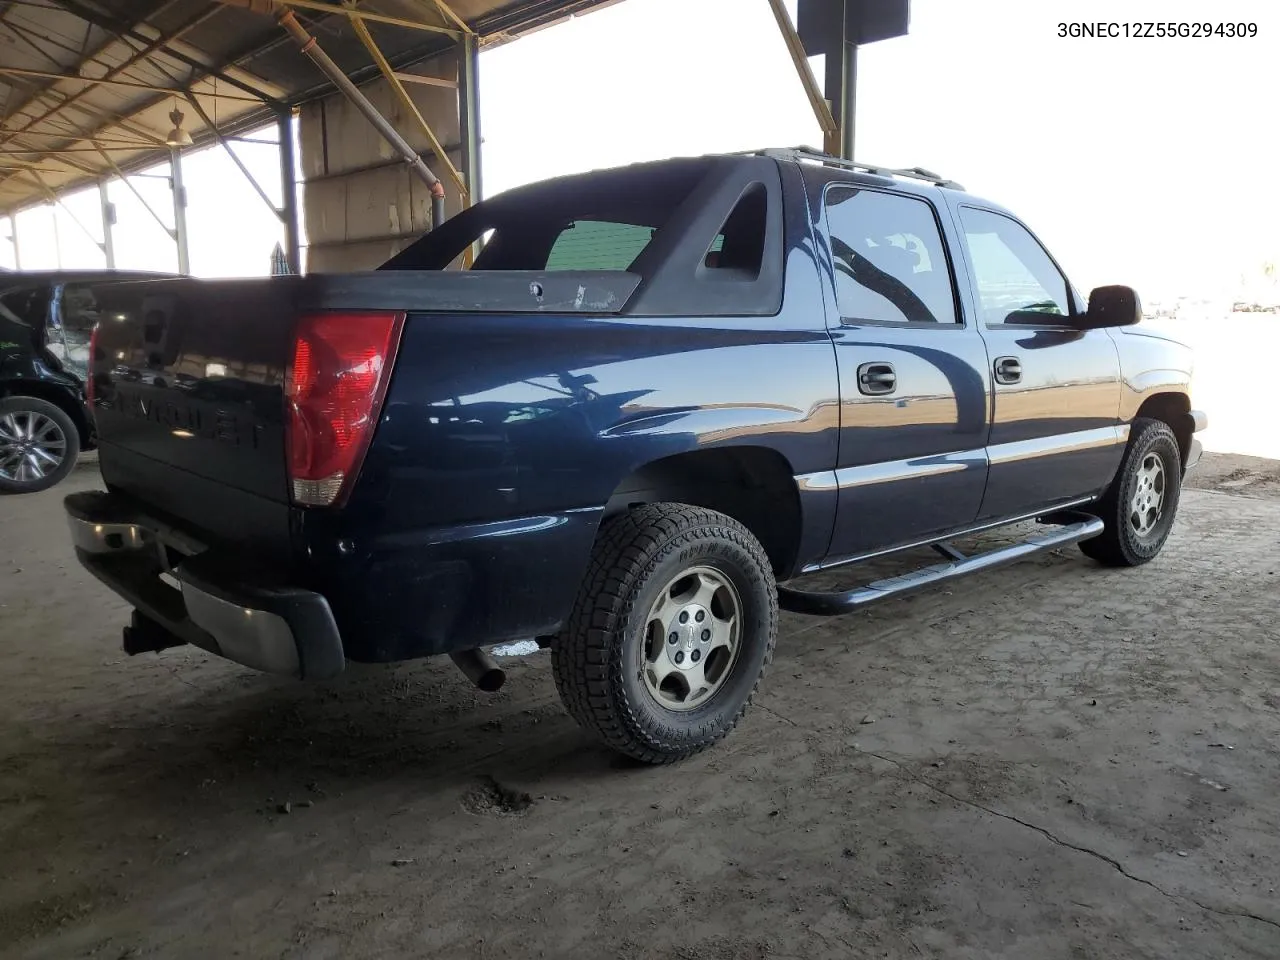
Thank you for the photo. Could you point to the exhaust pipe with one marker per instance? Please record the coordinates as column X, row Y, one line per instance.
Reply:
column 480, row 668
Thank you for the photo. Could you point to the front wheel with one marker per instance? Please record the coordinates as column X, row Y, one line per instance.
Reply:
column 38, row 445
column 671, row 631
column 1140, row 506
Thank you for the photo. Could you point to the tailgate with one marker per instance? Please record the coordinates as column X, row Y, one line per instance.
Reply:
column 188, row 381
column 188, row 377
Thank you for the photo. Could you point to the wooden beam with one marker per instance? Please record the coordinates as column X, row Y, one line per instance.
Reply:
column 357, row 16
column 427, row 81
column 450, row 15
column 817, row 100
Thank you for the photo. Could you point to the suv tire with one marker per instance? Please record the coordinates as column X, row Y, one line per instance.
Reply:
column 671, row 631
column 1140, row 505
column 39, row 444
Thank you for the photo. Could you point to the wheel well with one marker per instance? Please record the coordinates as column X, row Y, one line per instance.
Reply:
column 59, row 397
column 754, row 485
column 1173, row 409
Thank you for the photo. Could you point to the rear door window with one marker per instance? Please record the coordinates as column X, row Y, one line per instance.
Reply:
column 890, row 261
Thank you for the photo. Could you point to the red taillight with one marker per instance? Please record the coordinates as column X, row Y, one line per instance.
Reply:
column 88, row 377
column 333, row 394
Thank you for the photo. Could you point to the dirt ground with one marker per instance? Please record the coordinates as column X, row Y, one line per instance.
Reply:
column 1046, row 761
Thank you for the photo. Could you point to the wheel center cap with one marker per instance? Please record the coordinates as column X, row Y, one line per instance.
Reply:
column 692, row 630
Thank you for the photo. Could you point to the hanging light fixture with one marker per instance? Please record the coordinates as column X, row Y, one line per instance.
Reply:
column 177, row 137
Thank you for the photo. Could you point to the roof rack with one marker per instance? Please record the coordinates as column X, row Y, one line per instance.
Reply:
column 817, row 156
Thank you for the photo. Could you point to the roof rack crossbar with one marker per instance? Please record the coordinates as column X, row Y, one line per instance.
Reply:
column 817, row 156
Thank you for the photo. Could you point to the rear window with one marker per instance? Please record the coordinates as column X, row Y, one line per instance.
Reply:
column 598, row 245
column 603, row 221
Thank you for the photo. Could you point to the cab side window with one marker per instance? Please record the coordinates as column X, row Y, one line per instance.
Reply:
column 1017, row 281
column 890, row 261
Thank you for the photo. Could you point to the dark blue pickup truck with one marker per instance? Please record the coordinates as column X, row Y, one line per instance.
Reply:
column 656, row 393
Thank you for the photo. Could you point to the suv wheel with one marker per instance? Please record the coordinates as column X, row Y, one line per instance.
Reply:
column 38, row 445
column 1140, row 506
column 671, row 632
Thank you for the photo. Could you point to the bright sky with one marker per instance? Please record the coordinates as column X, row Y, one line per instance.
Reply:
column 1143, row 161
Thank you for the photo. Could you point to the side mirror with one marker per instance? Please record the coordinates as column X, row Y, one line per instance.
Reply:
column 1115, row 306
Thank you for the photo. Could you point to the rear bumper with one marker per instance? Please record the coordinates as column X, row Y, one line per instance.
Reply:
column 220, row 607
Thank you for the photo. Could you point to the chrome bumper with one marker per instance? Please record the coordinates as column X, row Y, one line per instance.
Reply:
column 217, row 606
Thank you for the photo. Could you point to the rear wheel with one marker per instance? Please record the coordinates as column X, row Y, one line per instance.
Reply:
column 671, row 631
column 38, row 444
column 1140, row 506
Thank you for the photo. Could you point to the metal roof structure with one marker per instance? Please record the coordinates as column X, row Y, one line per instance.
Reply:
column 87, row 87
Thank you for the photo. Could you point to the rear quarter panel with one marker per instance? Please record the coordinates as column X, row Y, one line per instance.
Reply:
column 503, row 437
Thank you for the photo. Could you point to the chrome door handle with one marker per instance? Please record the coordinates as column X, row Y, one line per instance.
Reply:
column 1008, row 370
column 877, row 379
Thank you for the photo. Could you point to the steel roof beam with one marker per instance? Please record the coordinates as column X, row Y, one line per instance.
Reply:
column 115, row 71
column 166, row 44
column 64, row 135
column 151, row 48
column 104, row 81
column 57, row 201
column 173, row 234
column 222, row 141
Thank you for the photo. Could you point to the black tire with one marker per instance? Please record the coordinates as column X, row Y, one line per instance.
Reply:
column 59, row 430
column 601, row 657
column 1121, row 544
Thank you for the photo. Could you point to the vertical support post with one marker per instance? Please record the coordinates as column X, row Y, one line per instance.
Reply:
column 13, row 235
column 469, row 117
column 469, row 113
column 849, row 100
column 108, row 220
column 57, row 235
column 179, row 211
column 289, row 192
column 841, row 85
column 835, row 29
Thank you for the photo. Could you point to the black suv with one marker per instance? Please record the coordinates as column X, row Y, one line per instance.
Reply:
column 45, row 322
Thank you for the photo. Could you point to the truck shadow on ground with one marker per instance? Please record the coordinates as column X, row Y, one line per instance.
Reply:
column 204, row 736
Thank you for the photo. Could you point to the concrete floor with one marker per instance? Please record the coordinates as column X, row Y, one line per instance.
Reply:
column 1047, row 761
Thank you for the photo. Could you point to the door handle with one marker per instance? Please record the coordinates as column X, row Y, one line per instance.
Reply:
column 1008, row 370
column 877, row 379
